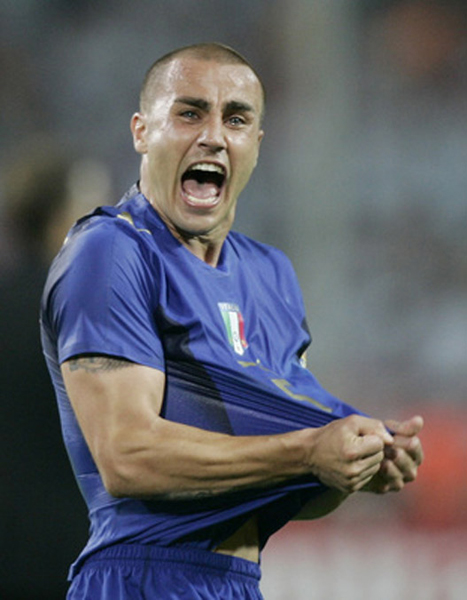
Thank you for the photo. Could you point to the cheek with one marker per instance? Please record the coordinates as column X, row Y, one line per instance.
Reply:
column 248, row 163
column 169, row 145
column 163, row 159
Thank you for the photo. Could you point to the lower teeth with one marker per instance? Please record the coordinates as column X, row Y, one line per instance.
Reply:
column 201, row 200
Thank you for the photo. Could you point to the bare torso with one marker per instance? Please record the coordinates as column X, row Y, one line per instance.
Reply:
column 244, row 543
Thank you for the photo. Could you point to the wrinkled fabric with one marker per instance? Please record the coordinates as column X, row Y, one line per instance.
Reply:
column 139, row 573
column 229, row 339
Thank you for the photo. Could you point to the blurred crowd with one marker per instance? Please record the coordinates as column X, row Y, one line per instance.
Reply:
column 363, row 182
column 412, row 181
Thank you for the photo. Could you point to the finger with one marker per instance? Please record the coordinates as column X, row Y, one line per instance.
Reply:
column 373, row 427
column 408, row 428
column 359, row 472
column 405, row 464
column 369, row 470
column 416, row 451
column 410, row 445
column 388, row 479
column 391, row 476
column 364, row 470
column 372, row 482
column 368, row 446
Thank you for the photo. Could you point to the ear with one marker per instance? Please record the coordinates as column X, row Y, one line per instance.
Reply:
column 260, row 137
column 139, row 129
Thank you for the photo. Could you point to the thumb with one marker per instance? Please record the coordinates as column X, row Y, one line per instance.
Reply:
column 408, row 428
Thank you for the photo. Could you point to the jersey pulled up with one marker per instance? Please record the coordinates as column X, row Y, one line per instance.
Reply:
column 230, row 340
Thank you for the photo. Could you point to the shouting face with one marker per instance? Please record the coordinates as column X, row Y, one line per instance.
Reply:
column 199, row 138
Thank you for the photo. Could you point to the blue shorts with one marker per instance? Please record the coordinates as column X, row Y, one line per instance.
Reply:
column 136, row 572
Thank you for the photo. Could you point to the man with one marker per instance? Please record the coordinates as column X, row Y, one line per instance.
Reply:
column 176, row 350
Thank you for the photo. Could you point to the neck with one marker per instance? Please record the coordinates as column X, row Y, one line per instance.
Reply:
column 205, row 246
column 204, row 249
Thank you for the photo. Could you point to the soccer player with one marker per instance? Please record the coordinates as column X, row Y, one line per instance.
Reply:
column 176, row 350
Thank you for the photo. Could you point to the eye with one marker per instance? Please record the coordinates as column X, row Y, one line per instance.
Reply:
column 189, row 114
column 236, row 121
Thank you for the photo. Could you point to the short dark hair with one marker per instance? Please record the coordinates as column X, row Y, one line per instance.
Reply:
column 203, row 51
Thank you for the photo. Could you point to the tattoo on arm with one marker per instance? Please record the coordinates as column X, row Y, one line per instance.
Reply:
column 206, row 494
column 98, row 364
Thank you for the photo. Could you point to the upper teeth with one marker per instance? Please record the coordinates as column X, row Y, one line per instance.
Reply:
column 207, row 167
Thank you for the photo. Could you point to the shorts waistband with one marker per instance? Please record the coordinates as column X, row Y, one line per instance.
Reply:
column 222, row 563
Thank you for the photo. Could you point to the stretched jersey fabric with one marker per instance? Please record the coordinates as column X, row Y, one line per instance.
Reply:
column 229, row 339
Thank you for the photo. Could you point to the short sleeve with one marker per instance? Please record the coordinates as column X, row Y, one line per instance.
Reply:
column 103, row 295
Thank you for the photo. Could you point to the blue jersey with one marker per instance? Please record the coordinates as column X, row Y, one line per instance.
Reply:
column 230, row 340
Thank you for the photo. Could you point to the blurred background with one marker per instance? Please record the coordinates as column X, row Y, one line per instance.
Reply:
column 362, row 182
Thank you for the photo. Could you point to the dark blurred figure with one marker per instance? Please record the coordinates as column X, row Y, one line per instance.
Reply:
column 43, row 522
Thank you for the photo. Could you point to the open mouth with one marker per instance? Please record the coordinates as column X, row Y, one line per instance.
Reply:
column 202, row 182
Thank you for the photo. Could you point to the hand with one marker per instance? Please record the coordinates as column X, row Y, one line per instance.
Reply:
column 348, row 453
column 401, row 459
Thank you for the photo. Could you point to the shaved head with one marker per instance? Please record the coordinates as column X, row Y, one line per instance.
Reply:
column 206, row 51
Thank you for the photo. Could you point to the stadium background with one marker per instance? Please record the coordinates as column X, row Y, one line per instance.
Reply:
column 362, row 181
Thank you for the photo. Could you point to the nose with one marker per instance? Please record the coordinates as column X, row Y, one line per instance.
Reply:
column 212, row 135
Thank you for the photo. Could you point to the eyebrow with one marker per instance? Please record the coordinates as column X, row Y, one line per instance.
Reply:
column 236, row 106
column 195, row 102
column 229, row 107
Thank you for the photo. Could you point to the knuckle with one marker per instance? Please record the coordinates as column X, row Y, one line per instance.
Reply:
column 411, row 475
column 396, row 484
column 399, row 485
column 350, row 454
column 353, row 486
column 353, row 471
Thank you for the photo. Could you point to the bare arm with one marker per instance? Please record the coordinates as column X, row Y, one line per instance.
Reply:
column 140, row 454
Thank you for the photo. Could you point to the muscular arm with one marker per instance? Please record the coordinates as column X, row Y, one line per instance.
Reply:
column 140, row 454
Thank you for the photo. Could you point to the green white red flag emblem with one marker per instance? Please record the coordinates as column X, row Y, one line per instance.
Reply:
column 234, row 325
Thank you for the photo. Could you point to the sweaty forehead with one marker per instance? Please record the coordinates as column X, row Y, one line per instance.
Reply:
column 210, row 79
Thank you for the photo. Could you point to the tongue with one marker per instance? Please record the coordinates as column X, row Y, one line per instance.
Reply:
column 203, row 191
